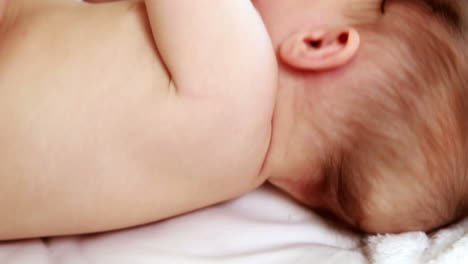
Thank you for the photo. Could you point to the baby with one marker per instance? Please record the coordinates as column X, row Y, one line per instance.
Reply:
column 126, row 113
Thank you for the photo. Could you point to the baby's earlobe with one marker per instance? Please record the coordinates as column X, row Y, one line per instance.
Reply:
column 320, row 49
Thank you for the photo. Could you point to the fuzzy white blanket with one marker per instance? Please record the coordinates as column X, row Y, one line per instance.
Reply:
column 447, row 246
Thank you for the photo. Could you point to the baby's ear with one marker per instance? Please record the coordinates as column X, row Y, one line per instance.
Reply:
column 320, row 49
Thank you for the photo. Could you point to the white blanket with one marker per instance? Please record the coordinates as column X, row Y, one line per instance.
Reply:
column 447, row 246
column 264, row 227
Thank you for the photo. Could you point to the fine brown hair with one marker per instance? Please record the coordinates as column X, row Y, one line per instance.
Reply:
column 402, row 159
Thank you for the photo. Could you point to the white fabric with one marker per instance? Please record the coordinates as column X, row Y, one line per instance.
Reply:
column 447, row 246
column 262, row 227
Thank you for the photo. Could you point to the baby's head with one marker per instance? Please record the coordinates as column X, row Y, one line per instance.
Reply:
column 372, row 113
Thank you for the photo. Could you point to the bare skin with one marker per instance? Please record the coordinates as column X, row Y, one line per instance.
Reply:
column 116, row 117
column 104, row 131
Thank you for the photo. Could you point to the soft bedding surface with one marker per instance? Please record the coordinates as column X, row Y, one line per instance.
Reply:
column 262, row 227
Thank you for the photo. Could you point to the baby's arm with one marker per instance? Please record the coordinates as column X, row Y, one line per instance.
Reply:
column 224, row 79
column 203, row 145
column 215, row 48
